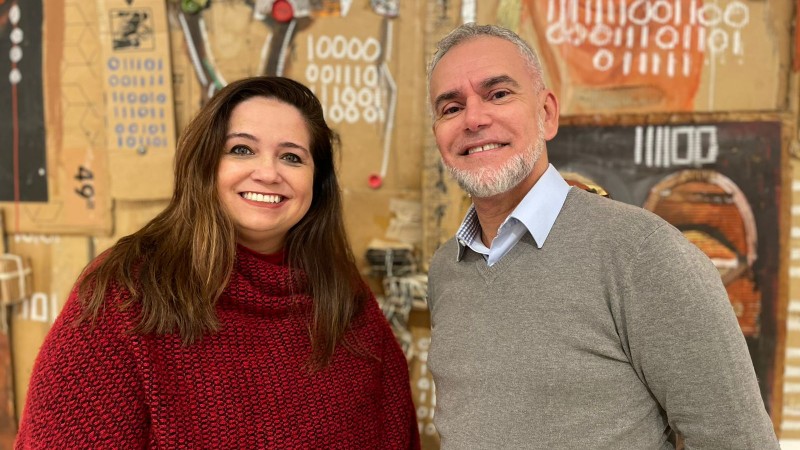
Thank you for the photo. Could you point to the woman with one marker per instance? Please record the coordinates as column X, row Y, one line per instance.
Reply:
column 237, row 317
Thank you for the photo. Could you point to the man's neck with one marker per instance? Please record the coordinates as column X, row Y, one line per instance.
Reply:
column 493, row 211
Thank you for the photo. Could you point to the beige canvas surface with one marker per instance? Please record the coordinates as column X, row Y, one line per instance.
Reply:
column 139, row 106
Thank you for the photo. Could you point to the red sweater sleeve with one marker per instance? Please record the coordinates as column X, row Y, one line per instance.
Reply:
column 85, row 390
column 398, row 407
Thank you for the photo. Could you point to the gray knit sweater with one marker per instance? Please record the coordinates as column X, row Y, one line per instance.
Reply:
column 616, row 332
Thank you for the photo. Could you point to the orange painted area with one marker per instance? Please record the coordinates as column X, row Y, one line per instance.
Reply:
column 702, row 203
column 746, row 301
column 572, row 65
column 328, row 8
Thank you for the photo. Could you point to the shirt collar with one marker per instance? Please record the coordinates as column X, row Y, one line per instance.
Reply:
column 537, row 211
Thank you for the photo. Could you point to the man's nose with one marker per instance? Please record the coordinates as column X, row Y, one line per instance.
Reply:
column 476, row 114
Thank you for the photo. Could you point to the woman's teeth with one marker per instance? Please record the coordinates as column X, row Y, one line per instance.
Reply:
column 262, row 197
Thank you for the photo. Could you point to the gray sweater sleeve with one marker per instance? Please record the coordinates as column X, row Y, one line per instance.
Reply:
column 686, row 346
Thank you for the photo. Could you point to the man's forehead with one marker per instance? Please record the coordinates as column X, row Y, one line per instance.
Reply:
column 479, row 55
column 478, row 47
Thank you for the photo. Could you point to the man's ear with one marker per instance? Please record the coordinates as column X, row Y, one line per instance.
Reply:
column 550, row 114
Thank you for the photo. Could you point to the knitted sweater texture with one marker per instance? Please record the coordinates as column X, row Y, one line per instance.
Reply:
column 245, row 386
column 614, row 334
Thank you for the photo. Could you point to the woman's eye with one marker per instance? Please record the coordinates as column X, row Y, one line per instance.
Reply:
column 292, row 158
column 240, row 150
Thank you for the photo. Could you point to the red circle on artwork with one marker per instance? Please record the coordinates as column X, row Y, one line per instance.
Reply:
column 282, row 11
column 375, row 181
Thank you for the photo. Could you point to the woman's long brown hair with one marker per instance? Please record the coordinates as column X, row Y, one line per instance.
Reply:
column 177, row 266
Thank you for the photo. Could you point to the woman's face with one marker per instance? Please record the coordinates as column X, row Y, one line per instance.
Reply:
column 265, row 179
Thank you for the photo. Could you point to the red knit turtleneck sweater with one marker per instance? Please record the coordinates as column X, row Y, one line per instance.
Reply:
column 245, row 386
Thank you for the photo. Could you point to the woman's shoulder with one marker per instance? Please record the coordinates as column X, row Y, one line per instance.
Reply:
column 115, row 311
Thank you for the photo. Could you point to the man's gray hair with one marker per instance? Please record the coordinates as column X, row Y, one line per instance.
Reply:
column 470, row 30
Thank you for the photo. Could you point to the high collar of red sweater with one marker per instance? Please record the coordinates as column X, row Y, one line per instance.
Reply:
column 264, row 282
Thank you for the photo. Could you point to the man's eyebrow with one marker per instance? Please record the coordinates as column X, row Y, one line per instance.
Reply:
column 500, row 79
column 444, row 97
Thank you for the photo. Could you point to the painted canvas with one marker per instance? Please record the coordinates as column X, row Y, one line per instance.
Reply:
column 23, row 167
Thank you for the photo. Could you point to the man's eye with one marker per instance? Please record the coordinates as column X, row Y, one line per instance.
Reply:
column 451, row 110
column 240, row 150
column 499, row 94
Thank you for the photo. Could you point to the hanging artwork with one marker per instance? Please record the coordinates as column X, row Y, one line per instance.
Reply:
column 53, row 170
column 23, row 166
column 659, row 55
column 140, row 117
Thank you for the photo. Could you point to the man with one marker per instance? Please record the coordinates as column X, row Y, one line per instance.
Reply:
column 562, row 319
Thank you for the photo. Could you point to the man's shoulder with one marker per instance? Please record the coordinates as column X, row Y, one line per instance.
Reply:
column 628, row 227
column 448, row 250
column 600, row 211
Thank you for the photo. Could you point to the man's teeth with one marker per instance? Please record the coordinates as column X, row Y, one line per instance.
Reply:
column 483, row 148
column 261, row 197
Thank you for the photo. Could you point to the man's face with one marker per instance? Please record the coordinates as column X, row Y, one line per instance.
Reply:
column 491, row 116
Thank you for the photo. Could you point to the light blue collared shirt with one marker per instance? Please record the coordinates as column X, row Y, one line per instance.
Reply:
column 535, row 214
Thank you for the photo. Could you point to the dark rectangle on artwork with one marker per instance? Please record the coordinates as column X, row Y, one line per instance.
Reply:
column 31, row 152
column 632, row 163
column 132, row 29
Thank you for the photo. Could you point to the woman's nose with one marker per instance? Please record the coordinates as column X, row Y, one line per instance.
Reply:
column 266, row 171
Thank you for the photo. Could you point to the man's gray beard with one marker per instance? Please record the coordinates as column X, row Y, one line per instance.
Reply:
column 486, row 182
